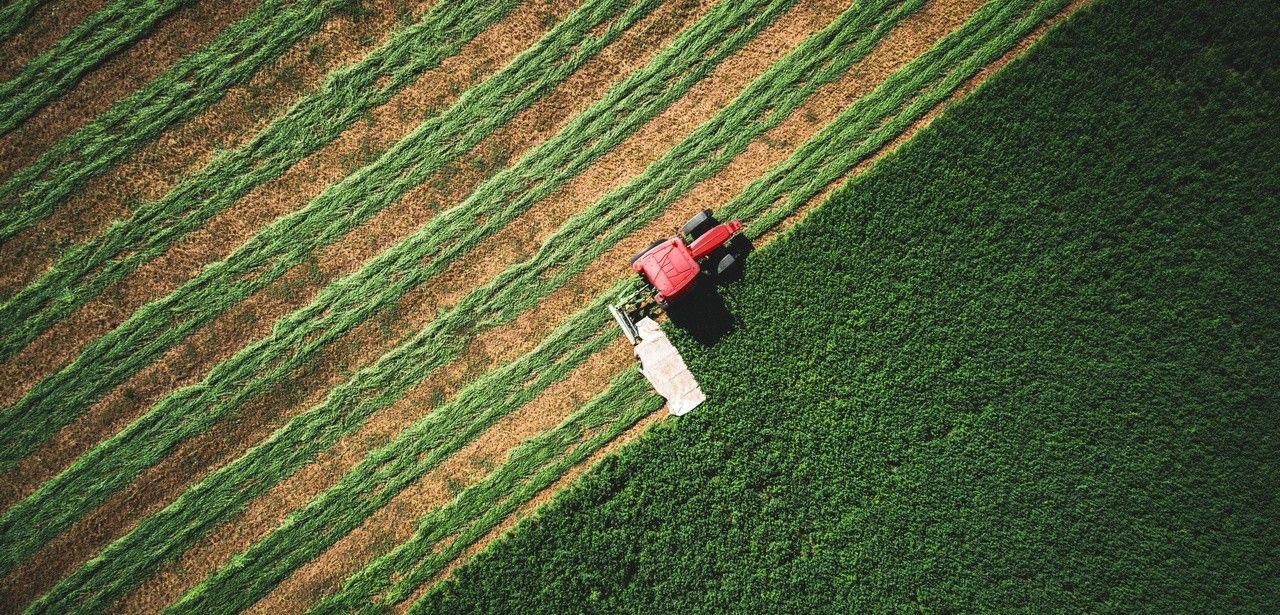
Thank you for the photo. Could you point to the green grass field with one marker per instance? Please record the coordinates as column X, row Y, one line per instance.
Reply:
column 312, row 318
column 1026, row 363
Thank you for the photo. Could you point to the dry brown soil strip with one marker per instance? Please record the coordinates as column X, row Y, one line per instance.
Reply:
column 51, row 21
column 153, row 171
column 181, row 33
column 188, row 362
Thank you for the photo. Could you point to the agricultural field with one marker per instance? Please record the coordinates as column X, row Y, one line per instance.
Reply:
column 303, row 303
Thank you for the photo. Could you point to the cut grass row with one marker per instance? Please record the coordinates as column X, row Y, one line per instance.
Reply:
column 81, row 273
column 289, row 241
column 48, row 75
column 445, row 532
column 178, row 94
column 14, row 16
column 341, row 306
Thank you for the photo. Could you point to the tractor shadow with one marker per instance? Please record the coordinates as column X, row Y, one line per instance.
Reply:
column 702, row 312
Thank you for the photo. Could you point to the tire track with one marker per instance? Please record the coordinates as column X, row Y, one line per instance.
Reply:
column 186, row 30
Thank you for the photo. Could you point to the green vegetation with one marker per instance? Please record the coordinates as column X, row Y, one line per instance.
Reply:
column 14, row 16
column 347, row 95
column 193, row 409
column 48, row 75
column 1023, row 364
column 189, row 87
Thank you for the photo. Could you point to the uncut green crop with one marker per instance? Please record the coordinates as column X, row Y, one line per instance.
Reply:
column 530, row 468
column 14, row 16
column 178, row 94
column 1033, row 372
column 338, row 308
column 347, row 94
column 48, row 75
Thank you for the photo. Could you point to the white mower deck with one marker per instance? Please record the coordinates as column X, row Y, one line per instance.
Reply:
column 661, row 363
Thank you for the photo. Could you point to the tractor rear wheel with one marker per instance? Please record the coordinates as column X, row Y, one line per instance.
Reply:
column 699, row 225
column 642, row 252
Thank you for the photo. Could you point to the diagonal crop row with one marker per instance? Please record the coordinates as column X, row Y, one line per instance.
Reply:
column 53, row 72
column 876, row 119
column 14, row 15
column 187, row 88
column 533, row 466
column 387, row 471
column 347, row 94
column 159, row 325
column 340, row 306
column 167, row 534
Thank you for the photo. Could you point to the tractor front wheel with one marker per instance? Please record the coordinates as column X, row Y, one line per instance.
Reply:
column 698, row 225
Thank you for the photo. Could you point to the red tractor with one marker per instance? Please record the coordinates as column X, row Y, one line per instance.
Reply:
column 671, row 267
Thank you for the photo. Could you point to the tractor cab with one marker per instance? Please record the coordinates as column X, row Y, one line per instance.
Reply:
column 671, row 266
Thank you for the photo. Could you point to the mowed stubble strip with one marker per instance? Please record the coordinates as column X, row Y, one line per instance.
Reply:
column 184, row 148
column 305, row 428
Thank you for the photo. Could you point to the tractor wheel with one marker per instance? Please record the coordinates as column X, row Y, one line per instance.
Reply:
column 727, row 263
column 642, row 252
column 699, row 224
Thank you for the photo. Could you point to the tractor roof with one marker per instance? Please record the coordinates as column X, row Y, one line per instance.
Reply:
column 669, row 267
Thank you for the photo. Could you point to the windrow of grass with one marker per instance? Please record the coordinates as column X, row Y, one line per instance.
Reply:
column 289, row 241
column 347, row 94
column 445, row 532
column 14, row 16
column 306, row 532
column 369, row 486
column 48, row 75
column 178, row 94
column 996, row 27
column 339, row 308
